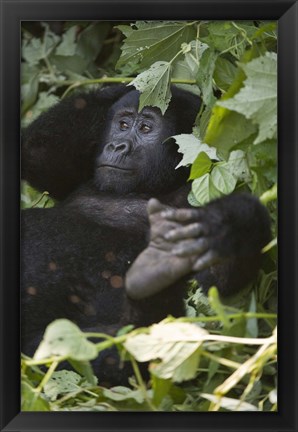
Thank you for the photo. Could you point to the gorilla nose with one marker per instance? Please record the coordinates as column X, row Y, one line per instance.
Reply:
column 123, row 147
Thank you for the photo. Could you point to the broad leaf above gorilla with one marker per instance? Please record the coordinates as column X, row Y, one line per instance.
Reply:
column 96, row 258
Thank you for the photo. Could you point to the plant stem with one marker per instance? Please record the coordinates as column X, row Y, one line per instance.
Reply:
column 47, row 376
column 239, row 315
column 141, row 382
column 45, row 361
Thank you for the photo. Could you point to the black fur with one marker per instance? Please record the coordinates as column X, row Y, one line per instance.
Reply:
column 75, row 256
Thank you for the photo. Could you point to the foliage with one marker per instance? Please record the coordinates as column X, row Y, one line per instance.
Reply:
column 222, row 355
column 189, row 364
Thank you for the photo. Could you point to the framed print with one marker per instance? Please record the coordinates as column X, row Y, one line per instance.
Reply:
column 148, row 155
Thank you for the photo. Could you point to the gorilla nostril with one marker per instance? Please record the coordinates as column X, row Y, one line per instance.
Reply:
column 122, row 147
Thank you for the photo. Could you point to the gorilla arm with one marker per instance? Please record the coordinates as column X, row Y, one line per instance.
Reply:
column 219, row 244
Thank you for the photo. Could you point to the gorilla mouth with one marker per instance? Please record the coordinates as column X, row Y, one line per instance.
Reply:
column 115, row 167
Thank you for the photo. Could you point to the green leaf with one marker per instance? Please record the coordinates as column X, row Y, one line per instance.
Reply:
column 31, row 400
column 27, row 71
column 201, row 166
column 62, row 382
column 194, row 54
column 205, row 76
column 181, row 71
column 31, row 197
column 175, row 344
column 29, row 92
column 84, row 368
column 268, row 30
column 204, row 189
column 120, row 393
column 126, row 30
column 224, row 73
column 192, row 200
column 218, row 307
column 257, row 100
column 188, row 68
column 74, row 63
column 238, row 166
column 154, row 41
column 50, row 41
column 67, row 47
column 227, row 128
column 222, row 179
column 191, row 147
column 160, row 388
column 124, row 330
column 32, row 51
column 64, row 338
column 90, row 41
column 154, row 85
column 182, row 372
column 230, row 36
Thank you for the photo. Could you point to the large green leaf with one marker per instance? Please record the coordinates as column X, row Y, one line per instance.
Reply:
column 154, row 85
column 191, row 147
column 175, row 344
column 153, row 41
column 64, row 338
column 257, row 100
column 223, row 179
column 204, row 189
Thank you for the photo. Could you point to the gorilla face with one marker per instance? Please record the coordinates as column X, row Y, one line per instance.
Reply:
column 136, row 156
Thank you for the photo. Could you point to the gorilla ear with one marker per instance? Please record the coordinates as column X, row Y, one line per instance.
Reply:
column 59, row 147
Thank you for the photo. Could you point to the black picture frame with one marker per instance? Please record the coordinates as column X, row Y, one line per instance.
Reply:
column 12, row 13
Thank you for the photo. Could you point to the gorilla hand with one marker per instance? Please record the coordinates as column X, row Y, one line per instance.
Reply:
column 177, row 247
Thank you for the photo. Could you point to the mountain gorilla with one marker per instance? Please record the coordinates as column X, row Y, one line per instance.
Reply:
column 120, row 245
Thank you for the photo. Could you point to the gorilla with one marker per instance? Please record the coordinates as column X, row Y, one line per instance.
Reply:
column 122, row 241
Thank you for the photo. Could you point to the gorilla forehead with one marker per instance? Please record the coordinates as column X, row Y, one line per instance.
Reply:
column 129, row 101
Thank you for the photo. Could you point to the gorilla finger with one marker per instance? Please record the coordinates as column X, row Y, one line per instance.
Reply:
column 155, row 206
column 191, row 247
column 181, row 215
column 206, row 260
column 185, row 232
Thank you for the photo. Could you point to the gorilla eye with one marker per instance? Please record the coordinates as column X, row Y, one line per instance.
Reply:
column 145, row 128
column 123, row 125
